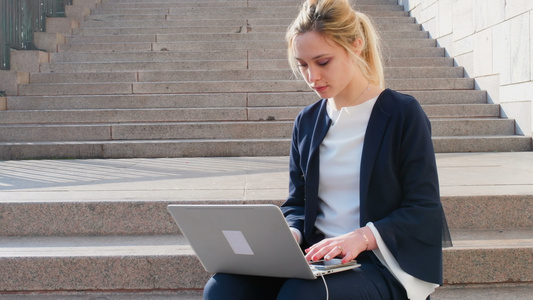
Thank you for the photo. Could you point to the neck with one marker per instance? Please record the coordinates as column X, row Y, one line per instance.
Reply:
column 356, row 96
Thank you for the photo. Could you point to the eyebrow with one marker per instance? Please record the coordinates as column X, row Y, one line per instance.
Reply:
column 314, row 58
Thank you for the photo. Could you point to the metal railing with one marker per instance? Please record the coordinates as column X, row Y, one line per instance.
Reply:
column 19, row 19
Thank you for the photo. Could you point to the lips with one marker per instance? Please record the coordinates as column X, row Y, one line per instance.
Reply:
column 320, row 88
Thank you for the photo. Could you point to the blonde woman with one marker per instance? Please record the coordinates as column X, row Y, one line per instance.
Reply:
column 363, row 178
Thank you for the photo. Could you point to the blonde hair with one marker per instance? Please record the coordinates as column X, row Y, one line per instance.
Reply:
column 337, row 20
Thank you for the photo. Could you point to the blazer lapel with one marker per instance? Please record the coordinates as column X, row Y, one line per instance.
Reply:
column 320, row 130
column 322, row 125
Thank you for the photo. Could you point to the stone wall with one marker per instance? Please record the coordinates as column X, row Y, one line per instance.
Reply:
column 493, row 40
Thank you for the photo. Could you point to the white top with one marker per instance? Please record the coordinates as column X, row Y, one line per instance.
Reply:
column 340, row 164
column 339, row 210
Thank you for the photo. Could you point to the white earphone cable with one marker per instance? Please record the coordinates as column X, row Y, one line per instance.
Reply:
column 325, row 285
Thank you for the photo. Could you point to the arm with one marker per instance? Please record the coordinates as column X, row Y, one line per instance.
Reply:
column 294, row 207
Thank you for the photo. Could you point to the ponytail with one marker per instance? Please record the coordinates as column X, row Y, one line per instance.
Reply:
column 337, row 20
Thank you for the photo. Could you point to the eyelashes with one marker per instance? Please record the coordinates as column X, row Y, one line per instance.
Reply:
column 321, row 62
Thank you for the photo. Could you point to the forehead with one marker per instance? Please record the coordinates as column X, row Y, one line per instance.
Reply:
column 311, row 44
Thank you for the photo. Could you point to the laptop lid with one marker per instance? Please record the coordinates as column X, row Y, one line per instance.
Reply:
column 242, row 239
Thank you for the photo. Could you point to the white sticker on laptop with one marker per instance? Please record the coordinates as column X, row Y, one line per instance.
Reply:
column 238, row 242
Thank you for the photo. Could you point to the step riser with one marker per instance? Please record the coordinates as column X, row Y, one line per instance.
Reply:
column 482, row 144
column 252, row 23
column 86, row 57
column 229, row 75
column 152, row 148
column 152, row 131
column 224, row 148
column 225, row 87
column 240, row 113
column 217, row 100
column 175, row 15
column 397, row 56
column 223, row 8
column 383, row 24
column 389, row 47
column 218, row 37
column 167, row 272
column 218, row 130
column 218, row 29
column 102, row 273
column 265, row 19
column 95, row 218
column 232, row 65
column 488, row 266
column 244, row 3
column 225, row 12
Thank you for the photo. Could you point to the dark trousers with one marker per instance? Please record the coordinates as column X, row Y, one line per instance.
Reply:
column 371, row 281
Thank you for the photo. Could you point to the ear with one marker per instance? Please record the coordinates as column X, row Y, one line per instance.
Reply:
column 357, row 46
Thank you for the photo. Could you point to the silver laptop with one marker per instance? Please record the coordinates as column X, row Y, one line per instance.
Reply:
column 248, row 240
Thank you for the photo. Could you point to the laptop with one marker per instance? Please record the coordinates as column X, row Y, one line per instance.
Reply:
column 248, row 240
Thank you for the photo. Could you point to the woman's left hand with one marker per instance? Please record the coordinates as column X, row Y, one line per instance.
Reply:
column 347, row 246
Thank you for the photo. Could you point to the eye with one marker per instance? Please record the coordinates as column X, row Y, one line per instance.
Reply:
column 301, row 64
column 323, row 62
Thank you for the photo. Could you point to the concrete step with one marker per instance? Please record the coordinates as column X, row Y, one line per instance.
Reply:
column 223, row 11
column 221, row 4
column 148, row 101
column 136, row 66
column 254, row 86
column 224, row 148
column 164, row 87
column 173, row 45
column 221, row 41
column 92, row 22
column 228, row 65
column 237, row 2
column 104, row 212
column 378, row 17
column 284, row 113
column 230, row 75
column 147, row 131
column 132, row 30
column 111, row 57
column 145, row 148
column 158, row 63
column 159, row 262
column 465, row 292
column 179, row 13
column 101, row 21
column 193, row 126
column 394, row 54
column 214, row 37
column 482, row 143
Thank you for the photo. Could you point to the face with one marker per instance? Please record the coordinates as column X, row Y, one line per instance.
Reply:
column 325, row 66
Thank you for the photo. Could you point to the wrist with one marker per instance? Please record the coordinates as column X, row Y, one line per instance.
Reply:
column 366, row 237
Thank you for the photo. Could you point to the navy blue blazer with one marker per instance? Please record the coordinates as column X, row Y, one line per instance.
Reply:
column 399, row 189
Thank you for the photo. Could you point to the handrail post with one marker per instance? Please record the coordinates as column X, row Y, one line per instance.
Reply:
column 27, row 8
column 19, row 19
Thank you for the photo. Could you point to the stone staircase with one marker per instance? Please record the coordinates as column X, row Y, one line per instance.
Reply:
column 209, row 79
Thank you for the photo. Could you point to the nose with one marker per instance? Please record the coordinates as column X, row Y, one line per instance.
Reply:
column 313, row 74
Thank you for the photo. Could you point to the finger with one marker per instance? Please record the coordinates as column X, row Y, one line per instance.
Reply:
column 327, row 252
column 348, row 257
column 316, row 253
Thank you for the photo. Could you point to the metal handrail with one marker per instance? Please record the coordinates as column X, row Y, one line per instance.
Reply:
column 19, row 19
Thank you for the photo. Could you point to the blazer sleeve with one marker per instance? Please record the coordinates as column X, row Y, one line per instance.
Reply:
column 294, row 207
column 411, row 223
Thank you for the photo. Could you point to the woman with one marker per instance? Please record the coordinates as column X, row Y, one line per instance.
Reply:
column 363, row 178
